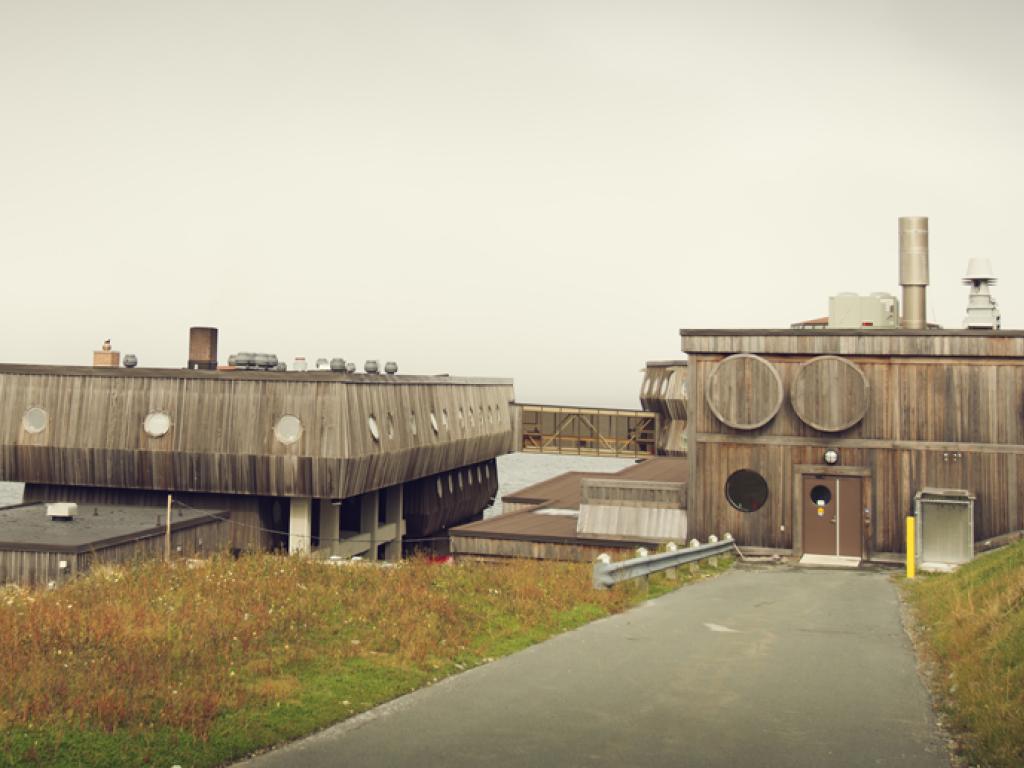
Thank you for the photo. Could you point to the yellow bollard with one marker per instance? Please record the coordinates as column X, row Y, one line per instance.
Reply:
column 910, row 547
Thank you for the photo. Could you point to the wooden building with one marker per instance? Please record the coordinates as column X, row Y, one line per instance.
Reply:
column 664, row 392
column 579, row 515
column 38, row 549
column 815, row 441
column 336, row 461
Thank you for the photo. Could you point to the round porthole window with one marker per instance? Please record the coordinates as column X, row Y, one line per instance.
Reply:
column 821, row 495
column 156, row 424
column 440, row 489
column 433, row 422
column 746, row 490
column 288, row 429
column 371, row 422
column 35, row 420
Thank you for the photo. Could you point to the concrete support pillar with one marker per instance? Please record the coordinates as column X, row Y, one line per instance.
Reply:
column 300, row 530
column 368, row 510
column 330, row 524
column 393, row 515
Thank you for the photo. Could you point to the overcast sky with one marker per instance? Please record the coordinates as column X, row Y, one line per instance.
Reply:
column 546, row 191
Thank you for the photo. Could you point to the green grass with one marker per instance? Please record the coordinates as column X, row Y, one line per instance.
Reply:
column 971, row 623
column 161, row 664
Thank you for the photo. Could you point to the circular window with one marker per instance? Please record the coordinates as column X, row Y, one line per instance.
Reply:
column 821, row 495
column 440, row 489
column 288, row 429
column 412, row 422
column 444, row 418
column 433, row 422
column 35, row 419
column 371, row 422
column 156, row 424
column 746, row 490
column 391, row 427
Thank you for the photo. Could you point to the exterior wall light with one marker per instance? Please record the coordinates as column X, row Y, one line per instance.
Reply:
column 831, row 456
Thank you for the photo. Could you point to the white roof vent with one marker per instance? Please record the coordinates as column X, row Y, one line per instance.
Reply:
column 64, row 510
column 982, row 310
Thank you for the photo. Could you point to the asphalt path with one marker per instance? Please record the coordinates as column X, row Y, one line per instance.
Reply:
column 757, row 667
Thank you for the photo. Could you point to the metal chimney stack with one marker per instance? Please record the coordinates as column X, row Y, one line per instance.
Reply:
column 914, row 269
column 202, row 348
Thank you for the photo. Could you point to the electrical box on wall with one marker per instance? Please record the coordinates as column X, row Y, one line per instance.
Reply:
column 945, row 528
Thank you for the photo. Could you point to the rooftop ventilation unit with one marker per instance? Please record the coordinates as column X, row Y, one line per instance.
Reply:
column 850, row 310
column 62, row 511
column 982, row 310
column 945, row 528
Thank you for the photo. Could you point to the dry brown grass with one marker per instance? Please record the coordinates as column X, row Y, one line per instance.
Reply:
column 158, row 645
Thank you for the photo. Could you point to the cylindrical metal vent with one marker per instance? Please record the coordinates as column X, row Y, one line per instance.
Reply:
column 202, row 349
column 914, row 269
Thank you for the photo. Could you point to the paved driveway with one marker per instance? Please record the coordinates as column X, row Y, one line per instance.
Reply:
column 758, row 667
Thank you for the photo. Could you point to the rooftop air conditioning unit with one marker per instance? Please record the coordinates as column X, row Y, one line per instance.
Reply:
column 945, row 528
column 62, row 511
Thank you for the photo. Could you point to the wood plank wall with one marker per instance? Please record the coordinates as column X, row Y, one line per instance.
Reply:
column 251, row 517
column 954, row 422
column 29, row 569
column 664, row 391
column 222, row 435
column 438, row 502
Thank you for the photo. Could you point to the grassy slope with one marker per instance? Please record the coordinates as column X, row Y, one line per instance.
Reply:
column 972, row 623
column 164, row 665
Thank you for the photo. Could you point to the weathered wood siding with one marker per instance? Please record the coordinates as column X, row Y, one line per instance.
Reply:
column 663, row 391
column 436, row 503
column 30, row 568
column 954, row 419
column 486, row 548
column 222, row 435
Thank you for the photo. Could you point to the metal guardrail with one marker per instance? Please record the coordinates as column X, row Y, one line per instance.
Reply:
column 607, row 574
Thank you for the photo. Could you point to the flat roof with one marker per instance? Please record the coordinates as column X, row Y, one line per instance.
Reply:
column 881, row 342
column 27, row 527
column 239, row 375
column 563, row 493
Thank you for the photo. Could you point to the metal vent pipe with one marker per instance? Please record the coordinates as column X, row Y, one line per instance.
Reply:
column 914, row 269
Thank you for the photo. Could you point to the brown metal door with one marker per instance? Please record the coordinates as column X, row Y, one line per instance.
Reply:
column 819, row 515
column 850, row 526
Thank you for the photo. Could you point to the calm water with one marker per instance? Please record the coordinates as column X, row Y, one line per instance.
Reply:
column 515, row 471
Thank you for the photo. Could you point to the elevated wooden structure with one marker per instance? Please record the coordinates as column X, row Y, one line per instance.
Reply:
column 578, row 431
column 294, row 458
column 664, row 393
column 901, row 410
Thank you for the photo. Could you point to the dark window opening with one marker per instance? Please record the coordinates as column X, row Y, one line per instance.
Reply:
column 821, row 495
column 746, row 490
